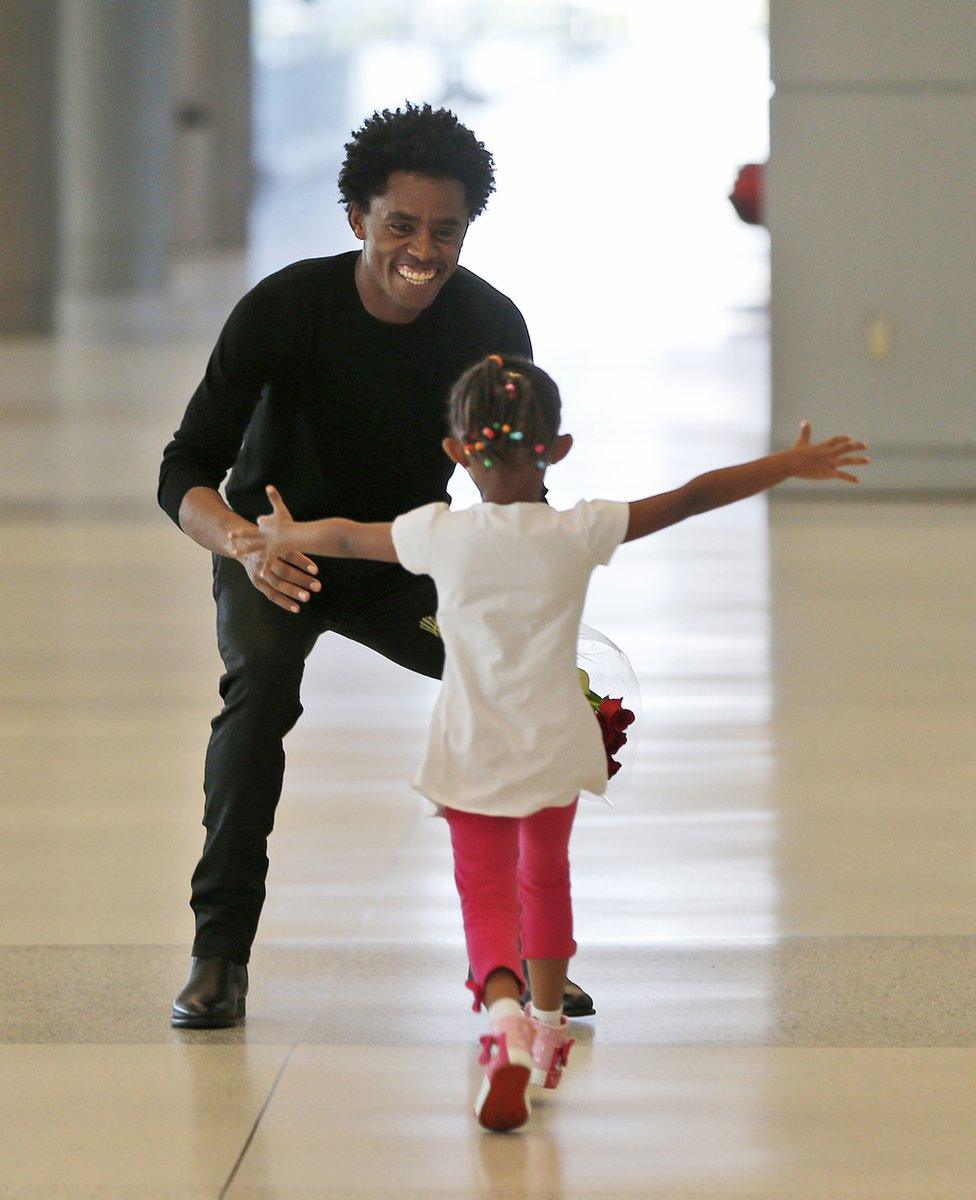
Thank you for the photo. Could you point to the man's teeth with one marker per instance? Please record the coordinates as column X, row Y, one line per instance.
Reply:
column 416, row 276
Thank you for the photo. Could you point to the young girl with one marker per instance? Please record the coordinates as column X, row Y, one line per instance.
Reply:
column 513, row 739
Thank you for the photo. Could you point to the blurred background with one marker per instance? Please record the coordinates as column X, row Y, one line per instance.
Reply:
column 799, row 805
column 178, row 152
column 163, row 155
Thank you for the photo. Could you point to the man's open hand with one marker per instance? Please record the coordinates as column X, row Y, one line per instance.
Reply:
column 283, row 580
column 283, row 575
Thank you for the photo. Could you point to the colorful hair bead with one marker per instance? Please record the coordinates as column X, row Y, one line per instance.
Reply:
column 489, row 433
column 486, row 462
column 496, row 358
column 479, row 445
column 506, row 429
column 539, row 449
column 510, row 390
column 516, row 435
column 541, row 463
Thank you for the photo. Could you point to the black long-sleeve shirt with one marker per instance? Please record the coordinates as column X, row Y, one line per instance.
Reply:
column 342, row 412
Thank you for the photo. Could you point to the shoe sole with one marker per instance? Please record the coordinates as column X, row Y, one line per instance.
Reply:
column 503, row 1103
column 204, row 1022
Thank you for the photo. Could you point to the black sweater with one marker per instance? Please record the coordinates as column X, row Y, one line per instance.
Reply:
column 342, row 412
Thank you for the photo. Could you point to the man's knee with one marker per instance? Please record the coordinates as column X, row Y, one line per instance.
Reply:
column 262, row 687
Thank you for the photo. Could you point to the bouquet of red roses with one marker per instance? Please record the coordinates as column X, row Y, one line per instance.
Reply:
column 613, row 718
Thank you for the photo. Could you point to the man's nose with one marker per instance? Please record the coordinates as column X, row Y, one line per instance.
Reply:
column 422, row 246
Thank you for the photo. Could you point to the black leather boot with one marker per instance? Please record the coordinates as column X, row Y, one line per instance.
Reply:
column 213, row 997
column 576, row 1002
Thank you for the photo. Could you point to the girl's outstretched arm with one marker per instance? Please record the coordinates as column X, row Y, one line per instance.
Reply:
column 334, row 537
column 803, row 460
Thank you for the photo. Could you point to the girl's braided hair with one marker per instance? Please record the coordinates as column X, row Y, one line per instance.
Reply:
column 507, row 396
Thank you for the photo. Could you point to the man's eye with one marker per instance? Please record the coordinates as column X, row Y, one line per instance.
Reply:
column 446, row 235
column 399, row 227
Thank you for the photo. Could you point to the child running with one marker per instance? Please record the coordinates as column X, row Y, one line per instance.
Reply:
column 513, row 739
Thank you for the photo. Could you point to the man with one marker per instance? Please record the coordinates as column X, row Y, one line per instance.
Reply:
column 329, row 379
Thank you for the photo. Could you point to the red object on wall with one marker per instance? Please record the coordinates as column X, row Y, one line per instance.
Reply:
column 747, row 193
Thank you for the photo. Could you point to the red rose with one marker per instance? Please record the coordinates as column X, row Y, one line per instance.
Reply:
column 613, row 719
column 613, row 739
column 618, row 716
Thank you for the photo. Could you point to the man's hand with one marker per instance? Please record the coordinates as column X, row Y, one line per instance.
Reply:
column 822, row 460
column 283, row 580
column 283, row 574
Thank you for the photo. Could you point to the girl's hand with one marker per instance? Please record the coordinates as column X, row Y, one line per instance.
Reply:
column 274, row 566
column 822, row 460
column 277, row 525
column 271, row 538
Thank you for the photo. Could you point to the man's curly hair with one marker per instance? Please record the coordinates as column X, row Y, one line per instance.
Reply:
column 422, row 139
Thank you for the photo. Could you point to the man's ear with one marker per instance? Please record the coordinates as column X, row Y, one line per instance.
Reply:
column 455, row 451
column 560, row 447
column 357, row 221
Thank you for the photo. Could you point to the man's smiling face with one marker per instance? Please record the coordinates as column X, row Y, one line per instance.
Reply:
column 412, row 235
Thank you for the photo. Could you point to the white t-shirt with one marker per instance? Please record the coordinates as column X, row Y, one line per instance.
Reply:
column 512, row 731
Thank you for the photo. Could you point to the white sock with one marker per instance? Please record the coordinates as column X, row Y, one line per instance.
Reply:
column 505, row 1007
column 553, row 1019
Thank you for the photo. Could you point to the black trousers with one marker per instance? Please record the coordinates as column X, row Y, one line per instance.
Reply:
column 264, row 649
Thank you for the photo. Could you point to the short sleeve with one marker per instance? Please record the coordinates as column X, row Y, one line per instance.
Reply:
column 603, row 526
column 413, row 534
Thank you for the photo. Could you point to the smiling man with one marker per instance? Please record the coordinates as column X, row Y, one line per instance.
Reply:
column 329, row 379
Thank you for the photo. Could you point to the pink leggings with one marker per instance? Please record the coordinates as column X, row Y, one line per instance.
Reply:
column 502, row 864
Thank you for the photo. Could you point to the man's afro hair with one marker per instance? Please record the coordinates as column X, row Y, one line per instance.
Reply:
column 422, row 139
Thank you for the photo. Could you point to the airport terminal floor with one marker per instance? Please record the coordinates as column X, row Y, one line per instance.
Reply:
column 775, row 919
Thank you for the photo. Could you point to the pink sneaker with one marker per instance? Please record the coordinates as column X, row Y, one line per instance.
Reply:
column 506, row 1055
column 550, row 1052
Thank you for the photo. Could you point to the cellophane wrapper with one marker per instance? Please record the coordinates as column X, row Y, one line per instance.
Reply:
column 611, row 675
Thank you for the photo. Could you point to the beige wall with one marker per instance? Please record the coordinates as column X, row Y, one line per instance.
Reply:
column 872, row 215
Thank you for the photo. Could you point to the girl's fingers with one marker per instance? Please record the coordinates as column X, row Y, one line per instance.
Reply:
column 277, row 504
column 851, row 478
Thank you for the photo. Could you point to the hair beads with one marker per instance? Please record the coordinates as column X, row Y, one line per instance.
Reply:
column 498, row 427
column 514, row 435
column 502, row 406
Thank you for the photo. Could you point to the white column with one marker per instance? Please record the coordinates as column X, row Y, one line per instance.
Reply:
column 117, row 125
column 214, row 176
column 28, row 166
column 872, row 213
